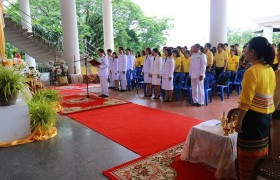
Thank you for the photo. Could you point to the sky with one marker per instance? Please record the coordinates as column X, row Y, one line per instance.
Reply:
column 192, row 17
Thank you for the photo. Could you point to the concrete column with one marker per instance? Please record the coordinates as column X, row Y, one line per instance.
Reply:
column 218, row 21
column 70, row 34
column 267, row 33
column 26, row 24
column 108, row 25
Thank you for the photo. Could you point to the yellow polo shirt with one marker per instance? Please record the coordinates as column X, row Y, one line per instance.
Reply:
column 178, row 62
column 209, row 57
column 232, row 63
column 186, row 64
column 142, row 59
column 220, row 58
column 137, row 62
column 258, row 86
column 275, row 58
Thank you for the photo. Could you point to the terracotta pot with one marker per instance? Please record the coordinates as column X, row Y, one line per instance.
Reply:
column 10, row 100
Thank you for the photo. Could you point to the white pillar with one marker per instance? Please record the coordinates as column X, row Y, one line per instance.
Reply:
column 26, row 24
column 70, row 34
column 267, row 33
column 218, row 21
column 108, row 25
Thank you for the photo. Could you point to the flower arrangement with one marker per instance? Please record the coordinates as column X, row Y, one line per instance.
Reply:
column 16, row 63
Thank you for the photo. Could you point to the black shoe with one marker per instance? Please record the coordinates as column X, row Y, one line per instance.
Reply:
column 194, row 104
column 199, row 105
column 111, row 87
column 156, row 97
column 123, row 90
column 103, row 96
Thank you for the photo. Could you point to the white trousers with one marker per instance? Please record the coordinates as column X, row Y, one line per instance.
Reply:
column 123, row 81
column 197, row 91
column 104, row 85
column 112, row 83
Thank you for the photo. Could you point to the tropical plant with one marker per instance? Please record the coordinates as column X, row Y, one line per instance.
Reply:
column 42, row 115
column 50, row 95
column 12, row 82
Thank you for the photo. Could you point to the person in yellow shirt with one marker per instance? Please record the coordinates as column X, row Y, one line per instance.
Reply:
column 186, row 62
column 137, row 63
column 209, row 57
column 275, row 62
column 142, row 59
column 233, row 62
column 177, row 60
column 220, row 60
column 236, row 47
column 255, row 106
column 226, row 49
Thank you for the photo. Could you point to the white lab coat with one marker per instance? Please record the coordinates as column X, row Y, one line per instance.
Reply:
column 147, row 68
column 122, row 67
column 168, row 66
column 103, row 74
column 155, row 70
column 197, row 69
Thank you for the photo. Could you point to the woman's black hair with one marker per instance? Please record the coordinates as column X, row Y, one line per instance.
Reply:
column 176, row 52
column 143, row 52
column 102, row 51
column 115, row 54
column 109, row 50
column 138, row 54
column 262, row 49
column 169, row 52
column 208, row 45
column 149, row 50
column 157, row 51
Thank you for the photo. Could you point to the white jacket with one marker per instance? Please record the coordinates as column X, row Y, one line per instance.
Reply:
column 130, row 62
column 113, row 64
column 122, row 63
column 168, row 66
column 103, row 68
column 197, row 65
column 147, row 64
column 156, row 65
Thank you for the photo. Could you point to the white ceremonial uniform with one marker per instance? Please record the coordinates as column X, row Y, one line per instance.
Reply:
column 146, row 68
column 111, row 64
column 103, row 74
column 122, row 67
column 197, row 69
column 130, row 62
column 114, row 69
column 168, row 66
column 156, row 67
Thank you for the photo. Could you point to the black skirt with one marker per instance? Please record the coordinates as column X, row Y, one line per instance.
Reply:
column 276, row 115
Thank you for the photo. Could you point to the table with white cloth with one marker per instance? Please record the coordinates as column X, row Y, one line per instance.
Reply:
column 207, row 144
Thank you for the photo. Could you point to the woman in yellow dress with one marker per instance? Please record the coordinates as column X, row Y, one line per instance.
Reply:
column 255, row 106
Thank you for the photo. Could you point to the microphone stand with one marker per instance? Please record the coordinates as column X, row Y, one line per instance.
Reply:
column 85, row 59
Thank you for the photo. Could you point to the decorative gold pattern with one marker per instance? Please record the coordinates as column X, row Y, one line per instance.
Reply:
column 156, row 166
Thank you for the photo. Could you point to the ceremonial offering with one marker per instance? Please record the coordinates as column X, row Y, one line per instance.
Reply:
column 224, row 119
column 226, row 129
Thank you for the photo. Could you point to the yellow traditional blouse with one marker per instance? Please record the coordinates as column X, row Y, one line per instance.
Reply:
column 178, row 63
column 142, row 59
column 232, row 63
column 220, row 58
column 258, row 87
column 186, row 64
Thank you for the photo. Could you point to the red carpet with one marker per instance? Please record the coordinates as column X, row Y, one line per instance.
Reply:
column 73, row 103
column 165, row 164
column 141, row 129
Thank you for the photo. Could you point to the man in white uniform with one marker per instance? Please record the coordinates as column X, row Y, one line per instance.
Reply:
column 122, row 67
column 130, row 63
column 103, row 73
column 197, row 74
column 111, row 67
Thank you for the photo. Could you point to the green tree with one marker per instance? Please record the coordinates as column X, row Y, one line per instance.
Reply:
column 238, row 36
column 131, row 27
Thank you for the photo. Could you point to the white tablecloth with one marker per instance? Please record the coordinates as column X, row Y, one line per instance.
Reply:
column 208, row 145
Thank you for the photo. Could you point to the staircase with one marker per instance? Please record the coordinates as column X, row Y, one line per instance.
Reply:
column 31, row 42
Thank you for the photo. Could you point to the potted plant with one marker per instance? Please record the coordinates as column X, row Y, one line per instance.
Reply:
column 50, row 95
column 11, row 83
